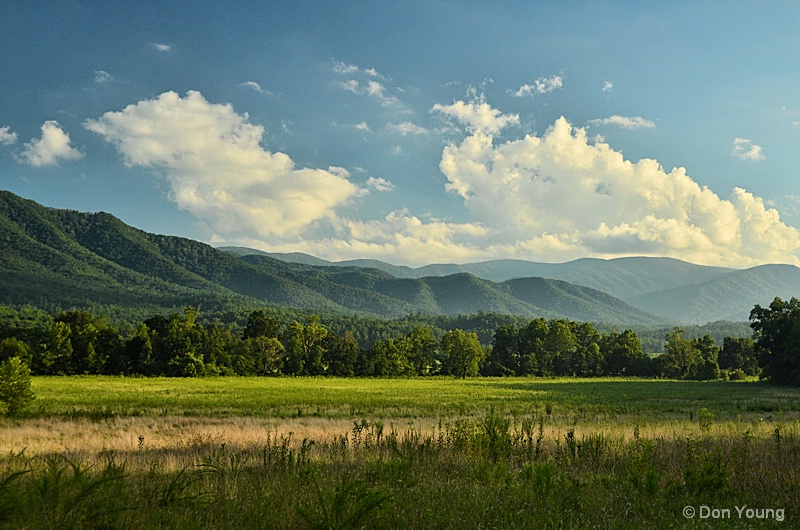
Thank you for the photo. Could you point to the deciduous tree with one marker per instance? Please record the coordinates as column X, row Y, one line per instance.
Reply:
column 463, row 353
column 681, row 356
column 15, row 385
column 777, row 340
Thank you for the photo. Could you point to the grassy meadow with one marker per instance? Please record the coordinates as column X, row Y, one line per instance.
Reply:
column 111, row 452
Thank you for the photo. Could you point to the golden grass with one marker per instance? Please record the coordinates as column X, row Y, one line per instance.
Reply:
column 176, row 441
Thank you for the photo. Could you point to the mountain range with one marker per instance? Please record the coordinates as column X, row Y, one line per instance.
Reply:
column 62, row 258
column 675, row 290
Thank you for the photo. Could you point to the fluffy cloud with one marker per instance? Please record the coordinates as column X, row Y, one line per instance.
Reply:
column 160, row 46
column 559, row 196
column 542, row 85
column 399, row 237
column 745, row 149
column 635, row 122
column 608, row 86
column 6, row 136
column 54, row 145
column 216, row 168
column 380, row 184
column 552, row 197
column 405, row 235
column 479, row 117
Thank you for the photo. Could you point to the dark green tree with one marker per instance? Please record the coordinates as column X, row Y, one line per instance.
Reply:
column 218, row 346
column 261, row 325
column 531, row 347
column 421, row 350
column 180, row 343
column 390, row 358
column 14, row 347
column 138, row 357
column 108, row 352
column 503, row 358
column 681, row 356
column 777, row 340
column 157, row 331
column 738, row 353
column 559, row 346
column 463, row 353
column 585, row 359
column 707, row 366
column 54, row 355
column 267, row 354
column 28, row 324
column 341, row 354
column 305, row 350
column 83, row 332
column 622, row 354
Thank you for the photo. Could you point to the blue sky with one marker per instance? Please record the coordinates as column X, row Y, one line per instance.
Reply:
column 415, row 132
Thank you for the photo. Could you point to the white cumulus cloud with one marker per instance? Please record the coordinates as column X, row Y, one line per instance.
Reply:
column 745, row 149
column 7, row 137
column 626, row 122
column 479, row 117
column 542, row 85
column 380, row 184
column 216, row 168
column 162, row 47
column 399, row 237
column 53, row 146
column 559, row 196
column 402, row 237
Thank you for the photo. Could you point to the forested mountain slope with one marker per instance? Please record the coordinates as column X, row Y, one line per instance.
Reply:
column 676, row 290
column 62, row 258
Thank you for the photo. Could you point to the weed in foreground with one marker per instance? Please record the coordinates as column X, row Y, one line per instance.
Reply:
column 349, row 505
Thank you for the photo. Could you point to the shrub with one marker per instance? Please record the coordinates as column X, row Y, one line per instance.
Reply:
column 15, row 385
column 11, row 347
column 737, row 375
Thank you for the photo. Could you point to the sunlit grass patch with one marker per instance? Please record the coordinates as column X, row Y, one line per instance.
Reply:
column 96, row 396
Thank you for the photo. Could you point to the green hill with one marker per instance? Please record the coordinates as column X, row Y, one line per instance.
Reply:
column 62, row 258
column 677, row 291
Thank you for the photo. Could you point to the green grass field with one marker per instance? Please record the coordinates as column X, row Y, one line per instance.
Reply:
column 592, row 399
column 108, row 452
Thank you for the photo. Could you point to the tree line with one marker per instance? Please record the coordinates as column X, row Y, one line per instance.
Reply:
column 178, row 344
